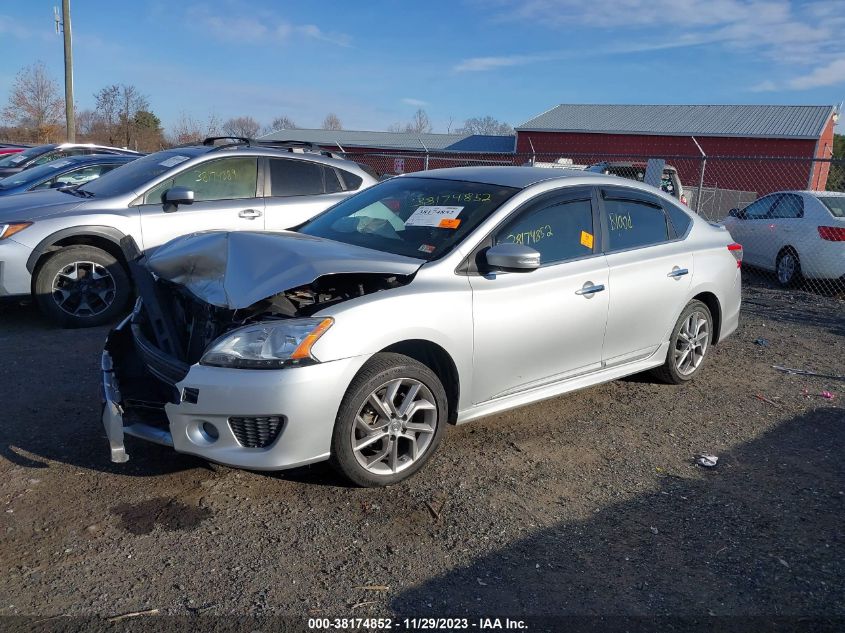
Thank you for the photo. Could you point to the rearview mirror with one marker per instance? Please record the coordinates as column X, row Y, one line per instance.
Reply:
column 178, row 195
column 512, row 258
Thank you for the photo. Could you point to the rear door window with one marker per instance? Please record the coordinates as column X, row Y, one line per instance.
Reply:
column 296, row 178
column 761, row 208
column 789, row 206
column 635, row 221
column 679, row 218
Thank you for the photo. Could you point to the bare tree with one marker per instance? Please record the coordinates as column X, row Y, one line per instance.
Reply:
column 484, row 125
column 86, row 121
column 395, row 127
column 420, row 123
column 116, row 108
column 332, row 122
column 281, row 123
column 35, row 102
column 185, row 130
column 244, row 126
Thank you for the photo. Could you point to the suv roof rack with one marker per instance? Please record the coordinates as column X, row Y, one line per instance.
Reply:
column 290, row 145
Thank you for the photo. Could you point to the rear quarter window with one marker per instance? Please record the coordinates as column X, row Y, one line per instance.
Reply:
column 679, row 218
column 834, row 204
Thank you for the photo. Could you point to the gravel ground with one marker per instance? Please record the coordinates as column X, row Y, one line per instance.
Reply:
column 586, row 504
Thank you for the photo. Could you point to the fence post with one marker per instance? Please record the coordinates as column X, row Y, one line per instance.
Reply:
column 700, row 176
column 425, row 168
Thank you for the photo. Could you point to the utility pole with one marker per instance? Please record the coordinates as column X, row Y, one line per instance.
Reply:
column 66, row 30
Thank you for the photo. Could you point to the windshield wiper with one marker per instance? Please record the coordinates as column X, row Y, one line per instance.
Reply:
column 76, row 192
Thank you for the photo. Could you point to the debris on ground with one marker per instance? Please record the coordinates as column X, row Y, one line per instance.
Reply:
column 762, row 342
column 827, row 395
column 132, row 614
column 706, row 460
column 807, row 372
column 767, row 400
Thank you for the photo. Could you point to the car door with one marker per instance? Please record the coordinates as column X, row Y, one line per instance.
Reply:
column 225, row 197
column 649, row 274
column 297, row 190
column 783, row 227
column 546, row 325
column 748, row 229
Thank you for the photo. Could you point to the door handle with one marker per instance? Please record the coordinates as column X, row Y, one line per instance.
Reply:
column 678, row 272
column 589, row 289
column 249, row 214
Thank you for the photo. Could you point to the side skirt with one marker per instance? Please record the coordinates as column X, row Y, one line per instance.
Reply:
column 530, row 396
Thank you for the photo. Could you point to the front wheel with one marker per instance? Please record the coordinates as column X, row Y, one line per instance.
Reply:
column 82, row 286
column 390, row 422
column 688, row 345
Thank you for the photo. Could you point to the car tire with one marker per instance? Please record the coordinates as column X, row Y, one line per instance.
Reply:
column 81, row 286
column 688, row 346
column 788, row 268
column 372, row 443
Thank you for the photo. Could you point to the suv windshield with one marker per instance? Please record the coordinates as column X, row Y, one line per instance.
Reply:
column 134, row 176
column 13, row 160
column 415, row 217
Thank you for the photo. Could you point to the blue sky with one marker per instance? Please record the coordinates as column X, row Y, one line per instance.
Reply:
column 375, row 62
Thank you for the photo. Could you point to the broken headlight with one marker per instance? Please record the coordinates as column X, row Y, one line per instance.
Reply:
column 267, row 345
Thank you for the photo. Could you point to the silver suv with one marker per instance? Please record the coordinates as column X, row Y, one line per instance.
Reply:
column 64, row 246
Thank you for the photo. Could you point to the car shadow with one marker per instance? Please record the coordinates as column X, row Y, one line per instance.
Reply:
column 759, row 534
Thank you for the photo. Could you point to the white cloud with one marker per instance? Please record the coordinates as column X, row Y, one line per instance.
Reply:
column 245, row 24
column 478, row 64
column 793, row 35
column 829, row 75
column 417, row 103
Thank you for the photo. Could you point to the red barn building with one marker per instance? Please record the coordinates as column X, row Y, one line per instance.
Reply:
column 597, row 132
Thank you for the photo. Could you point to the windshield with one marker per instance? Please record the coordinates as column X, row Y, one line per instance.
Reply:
column 35, row 174
column 13, row 160
column 415, row 217
column 135, row 175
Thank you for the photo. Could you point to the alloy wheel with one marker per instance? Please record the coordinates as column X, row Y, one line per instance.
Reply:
column 691, row 343
column 394, row 427
column 786, row 268
column 83, row 289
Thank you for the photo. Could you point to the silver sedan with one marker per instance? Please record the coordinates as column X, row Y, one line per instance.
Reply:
column 430, row 299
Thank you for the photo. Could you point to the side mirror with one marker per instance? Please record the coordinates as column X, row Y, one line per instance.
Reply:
column 737, row 213
column 514, row 258
column 178, row 195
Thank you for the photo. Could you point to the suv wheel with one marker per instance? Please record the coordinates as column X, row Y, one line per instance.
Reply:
column 688, row 345
column 390, row 422
column 81, row 286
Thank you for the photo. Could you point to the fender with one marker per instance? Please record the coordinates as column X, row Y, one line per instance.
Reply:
column 46, row 245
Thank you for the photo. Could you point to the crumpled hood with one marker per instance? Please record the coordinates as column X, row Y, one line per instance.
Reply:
column 37, row 204
column 238, row 268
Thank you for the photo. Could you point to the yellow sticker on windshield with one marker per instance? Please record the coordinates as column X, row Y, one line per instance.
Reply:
column 587, row 239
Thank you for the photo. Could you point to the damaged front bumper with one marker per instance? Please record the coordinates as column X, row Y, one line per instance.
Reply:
column 212, row 409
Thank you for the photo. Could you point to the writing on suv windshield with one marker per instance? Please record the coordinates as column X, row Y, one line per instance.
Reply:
column 415, row 217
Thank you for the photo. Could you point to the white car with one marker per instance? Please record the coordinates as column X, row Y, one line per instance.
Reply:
column 793, row 233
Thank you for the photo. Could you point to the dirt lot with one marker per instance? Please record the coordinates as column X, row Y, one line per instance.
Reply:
column 586, row 504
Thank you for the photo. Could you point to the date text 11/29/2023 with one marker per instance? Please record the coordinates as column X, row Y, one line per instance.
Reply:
column 416, row 624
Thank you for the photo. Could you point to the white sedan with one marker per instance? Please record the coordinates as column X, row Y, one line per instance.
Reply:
column 793, row 233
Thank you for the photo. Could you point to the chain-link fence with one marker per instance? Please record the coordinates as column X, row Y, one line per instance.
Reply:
column 787, row 212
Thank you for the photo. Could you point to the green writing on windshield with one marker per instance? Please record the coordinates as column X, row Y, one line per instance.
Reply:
column 452, row 198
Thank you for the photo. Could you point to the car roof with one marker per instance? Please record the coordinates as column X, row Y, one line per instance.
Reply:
column 84, row 159
column 264, row 150
column 519, row 177
column 809, row 192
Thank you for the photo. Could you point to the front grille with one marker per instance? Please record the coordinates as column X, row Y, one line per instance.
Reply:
column 256, row 432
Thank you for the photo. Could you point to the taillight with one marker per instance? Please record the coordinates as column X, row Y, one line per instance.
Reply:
column 832, row 233
column 736, row 251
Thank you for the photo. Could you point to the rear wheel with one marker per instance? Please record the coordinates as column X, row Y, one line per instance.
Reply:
column 688, row 345
column 788, row 268
column 390, row 422
column 82, row 286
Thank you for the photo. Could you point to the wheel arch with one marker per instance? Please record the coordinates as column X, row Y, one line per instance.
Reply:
column 438, row 360
column 712, row 302
column 106, row 238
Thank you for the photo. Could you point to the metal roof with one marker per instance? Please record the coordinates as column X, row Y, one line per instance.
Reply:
column 398, row 140
column 764, row 121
